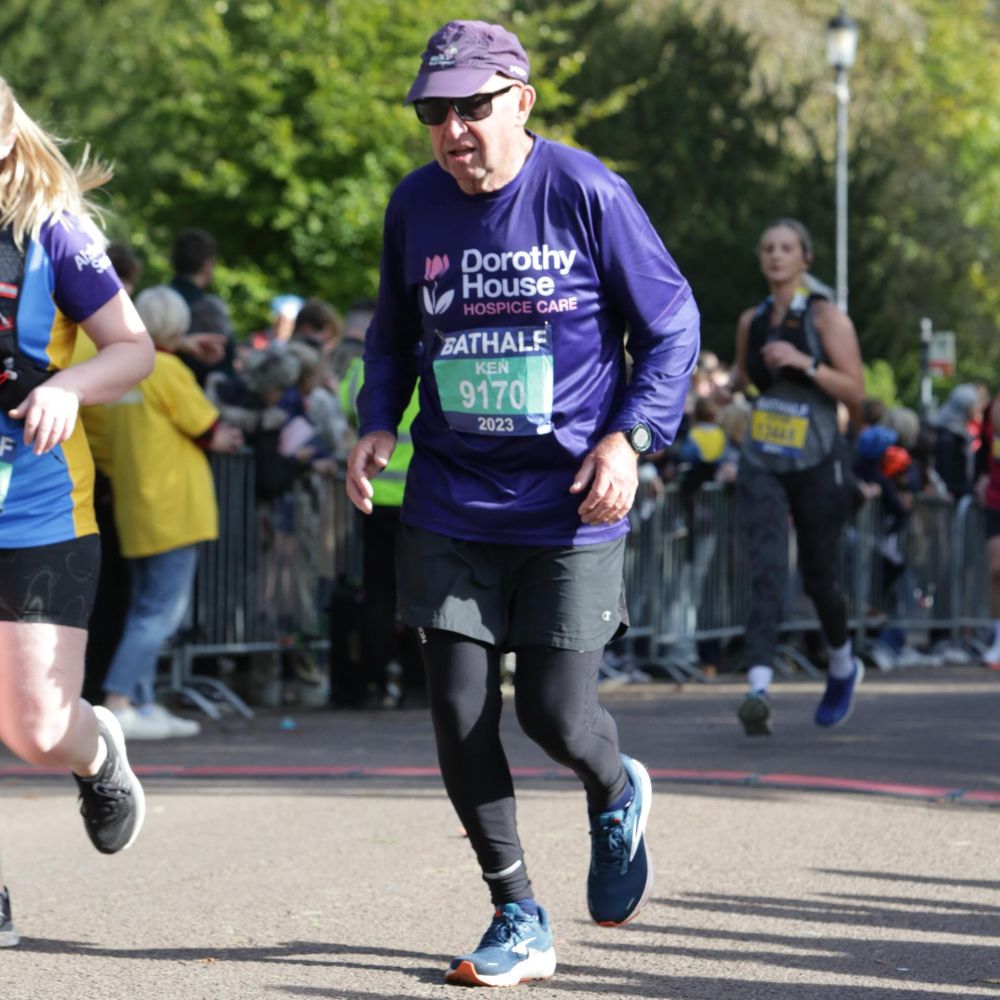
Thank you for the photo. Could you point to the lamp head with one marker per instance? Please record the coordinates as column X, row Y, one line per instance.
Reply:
column 841, row 41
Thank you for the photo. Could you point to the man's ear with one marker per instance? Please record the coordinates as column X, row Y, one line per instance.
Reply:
column 525, row 102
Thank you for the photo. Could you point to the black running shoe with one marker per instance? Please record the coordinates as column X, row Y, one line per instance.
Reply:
column 112, row 802
column 8, row 936
column 755, row 714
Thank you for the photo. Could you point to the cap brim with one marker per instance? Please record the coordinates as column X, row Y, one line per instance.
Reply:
column 448, row 83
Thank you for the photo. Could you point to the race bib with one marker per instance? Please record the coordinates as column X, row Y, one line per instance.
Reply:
column 779, row 427
column 6, row 471
column 496, row 382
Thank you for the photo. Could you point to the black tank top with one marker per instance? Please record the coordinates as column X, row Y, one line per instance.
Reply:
column 794, row 424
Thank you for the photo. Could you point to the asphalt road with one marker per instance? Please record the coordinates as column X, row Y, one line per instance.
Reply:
column 314, row 855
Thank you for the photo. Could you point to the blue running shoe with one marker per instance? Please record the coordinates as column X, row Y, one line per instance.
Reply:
column 838, row 699
column 621, row 873
column 515, row 948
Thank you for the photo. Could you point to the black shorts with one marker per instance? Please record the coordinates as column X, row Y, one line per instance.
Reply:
column 50, row 584
column 567, row 597
column 992, row 522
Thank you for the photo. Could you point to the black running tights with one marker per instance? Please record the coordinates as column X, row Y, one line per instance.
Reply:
column 557, row 706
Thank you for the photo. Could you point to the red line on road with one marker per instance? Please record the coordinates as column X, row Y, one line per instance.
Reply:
column 800, row 782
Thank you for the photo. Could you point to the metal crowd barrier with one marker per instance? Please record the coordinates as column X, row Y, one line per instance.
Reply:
column 270, row 574
column 687, row 578
column 687, row 581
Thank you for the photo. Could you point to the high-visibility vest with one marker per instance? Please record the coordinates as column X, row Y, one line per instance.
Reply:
column 389, row 484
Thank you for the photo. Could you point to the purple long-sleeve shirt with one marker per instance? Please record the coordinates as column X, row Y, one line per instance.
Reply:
column 512, row 307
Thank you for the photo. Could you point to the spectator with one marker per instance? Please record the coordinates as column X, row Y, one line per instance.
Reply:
column 164, row 506
column 266, row 403
column 988, row 490
column 384, row 639
column 284, row 311
column 127, row 265
column 319, row 325
column 352, row 343
column 210, row 344
column 953, row 453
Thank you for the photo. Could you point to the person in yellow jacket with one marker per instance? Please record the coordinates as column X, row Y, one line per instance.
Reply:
column 155, row 439
column 382, row 637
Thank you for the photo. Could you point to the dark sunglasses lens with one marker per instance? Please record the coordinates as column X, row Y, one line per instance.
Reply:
column 475, row 108
column 431, row 110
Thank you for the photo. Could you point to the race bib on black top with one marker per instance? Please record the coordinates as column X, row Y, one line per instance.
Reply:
column 496, row 381
column 779, row 427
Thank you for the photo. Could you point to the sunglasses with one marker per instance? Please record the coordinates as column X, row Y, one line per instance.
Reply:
column 434, row 110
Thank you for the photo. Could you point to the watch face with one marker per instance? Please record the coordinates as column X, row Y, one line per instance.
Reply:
column 640, row 437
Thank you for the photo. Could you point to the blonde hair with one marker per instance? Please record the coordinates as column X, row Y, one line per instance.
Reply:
column 734, row 418
column 165, row 314
column 36, row 181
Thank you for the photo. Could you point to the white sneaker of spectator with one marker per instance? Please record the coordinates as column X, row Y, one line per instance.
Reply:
column 141, row 724
column 154, row 722
column 176, row 724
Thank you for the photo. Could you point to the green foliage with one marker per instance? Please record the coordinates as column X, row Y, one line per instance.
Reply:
column 278, row 125
column 880, row 382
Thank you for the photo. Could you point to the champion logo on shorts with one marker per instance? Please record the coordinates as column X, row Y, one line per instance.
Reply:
column 605, row 616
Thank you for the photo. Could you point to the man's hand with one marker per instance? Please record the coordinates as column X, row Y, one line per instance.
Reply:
column 611, row 470
column 226, row 439
column 49, row 413
column 208, row 348
column 368, row 458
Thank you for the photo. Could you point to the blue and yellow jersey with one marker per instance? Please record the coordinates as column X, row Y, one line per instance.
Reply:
column 67, row 277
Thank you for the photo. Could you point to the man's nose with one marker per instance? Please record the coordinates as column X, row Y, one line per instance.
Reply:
column 453, row 125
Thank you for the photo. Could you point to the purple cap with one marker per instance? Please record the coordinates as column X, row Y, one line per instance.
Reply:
column 463, row 55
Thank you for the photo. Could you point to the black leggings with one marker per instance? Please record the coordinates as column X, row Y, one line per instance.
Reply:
column 557, row 706
column 819, row 502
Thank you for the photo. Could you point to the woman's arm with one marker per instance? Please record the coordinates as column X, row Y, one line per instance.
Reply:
column 841, row 376
column 124, row 358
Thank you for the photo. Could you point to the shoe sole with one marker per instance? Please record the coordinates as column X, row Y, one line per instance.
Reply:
column 850, row 706
column 756, row 717
column 636, row 770
column 114, row 730
column 542, row 966
column 9, row 939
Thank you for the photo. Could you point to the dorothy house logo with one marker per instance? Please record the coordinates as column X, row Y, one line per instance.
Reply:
column 434, row 267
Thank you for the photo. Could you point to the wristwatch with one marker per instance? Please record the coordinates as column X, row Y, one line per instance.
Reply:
column 812, row 368
column 640, row 437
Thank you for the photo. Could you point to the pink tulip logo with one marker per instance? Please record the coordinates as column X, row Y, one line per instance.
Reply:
column 434, row 267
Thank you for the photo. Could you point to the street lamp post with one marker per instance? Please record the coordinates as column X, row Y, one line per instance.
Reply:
column 841, row 48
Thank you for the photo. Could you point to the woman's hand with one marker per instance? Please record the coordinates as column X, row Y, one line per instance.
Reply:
column 49, row 413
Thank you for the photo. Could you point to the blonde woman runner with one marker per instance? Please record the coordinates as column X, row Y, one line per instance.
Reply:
column 55, row 277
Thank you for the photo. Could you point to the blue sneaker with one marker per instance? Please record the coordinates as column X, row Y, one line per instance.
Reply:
column 515, row 948
column 621, row 873
column 838, row 699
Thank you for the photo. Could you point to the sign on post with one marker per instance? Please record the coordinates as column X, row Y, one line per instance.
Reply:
column 941, row 354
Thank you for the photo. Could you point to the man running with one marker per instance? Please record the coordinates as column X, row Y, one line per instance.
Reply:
column 512, row 269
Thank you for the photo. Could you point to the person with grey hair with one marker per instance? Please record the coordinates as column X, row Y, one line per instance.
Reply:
column 517, row 276
column 953, row 452
column 156, row 438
